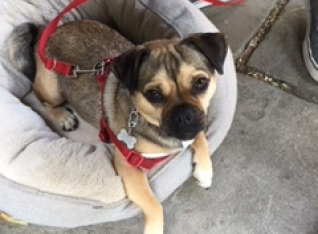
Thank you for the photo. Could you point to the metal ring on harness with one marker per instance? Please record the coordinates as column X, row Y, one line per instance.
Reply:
column 54, row 65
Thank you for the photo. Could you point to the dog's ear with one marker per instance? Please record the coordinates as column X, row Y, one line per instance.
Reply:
column 126, row 66
column 212, row 45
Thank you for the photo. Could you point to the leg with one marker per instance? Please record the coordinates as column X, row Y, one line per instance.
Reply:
column 46, row 89
column 139, row 192
column 203, row 170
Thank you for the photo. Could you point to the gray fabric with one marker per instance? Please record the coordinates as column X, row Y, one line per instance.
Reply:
column 138, row 20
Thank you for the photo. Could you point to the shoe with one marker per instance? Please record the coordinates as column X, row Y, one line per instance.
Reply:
column 200, row 4
column 204, row 3
column 310, row 43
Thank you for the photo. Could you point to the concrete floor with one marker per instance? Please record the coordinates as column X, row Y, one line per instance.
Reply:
column 266, row 171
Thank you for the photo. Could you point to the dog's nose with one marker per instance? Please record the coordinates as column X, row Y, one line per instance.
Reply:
column 184, row 121
column 183, row 116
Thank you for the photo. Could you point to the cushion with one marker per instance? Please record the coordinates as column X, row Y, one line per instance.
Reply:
column 49, row 177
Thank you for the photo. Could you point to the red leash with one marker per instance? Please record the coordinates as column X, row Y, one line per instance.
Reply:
column 52, row 64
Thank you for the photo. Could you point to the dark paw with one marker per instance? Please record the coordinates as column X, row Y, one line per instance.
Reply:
column 69, row 122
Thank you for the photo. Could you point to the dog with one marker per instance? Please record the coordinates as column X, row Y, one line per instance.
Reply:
column 167, row 84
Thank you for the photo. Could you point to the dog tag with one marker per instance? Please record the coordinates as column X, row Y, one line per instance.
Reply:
column 129, row 140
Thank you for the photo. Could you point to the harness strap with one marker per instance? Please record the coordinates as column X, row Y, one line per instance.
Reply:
column 52, row 64
column 134, row 159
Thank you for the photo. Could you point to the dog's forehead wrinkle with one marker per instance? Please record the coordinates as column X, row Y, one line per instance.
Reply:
column 162, row 82
column 172, row 66
column 148, row 71
column 162, row 60
column 180, row 52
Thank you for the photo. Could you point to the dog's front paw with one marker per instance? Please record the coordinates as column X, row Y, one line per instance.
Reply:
column 67, row 119
column 153, row 232
column 203, row 175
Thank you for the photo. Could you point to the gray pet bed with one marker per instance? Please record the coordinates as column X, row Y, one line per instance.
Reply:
column 49, row 178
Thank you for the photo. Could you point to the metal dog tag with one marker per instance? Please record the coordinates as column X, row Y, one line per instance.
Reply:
column 129, row 140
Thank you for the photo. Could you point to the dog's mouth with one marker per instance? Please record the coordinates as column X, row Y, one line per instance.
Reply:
column 158, row 130
column 154, row 128
column 185, row 135
column 182, row 122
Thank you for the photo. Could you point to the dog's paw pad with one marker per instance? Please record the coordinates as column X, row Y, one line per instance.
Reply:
column 203, row 176
column 68, row 121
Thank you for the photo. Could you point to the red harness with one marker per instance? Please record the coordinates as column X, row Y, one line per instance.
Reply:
column 101, row 71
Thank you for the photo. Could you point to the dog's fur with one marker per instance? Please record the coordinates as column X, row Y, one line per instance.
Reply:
column 169, row 82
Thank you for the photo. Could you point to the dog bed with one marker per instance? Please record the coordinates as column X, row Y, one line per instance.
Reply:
column 48, row 177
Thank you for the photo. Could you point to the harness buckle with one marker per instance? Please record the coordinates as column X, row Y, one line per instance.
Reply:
column 54, row 65
column 134, row 159
column 98, row 69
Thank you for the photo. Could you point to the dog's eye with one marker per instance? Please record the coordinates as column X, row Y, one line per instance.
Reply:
column 200, row 85
column 154, row 96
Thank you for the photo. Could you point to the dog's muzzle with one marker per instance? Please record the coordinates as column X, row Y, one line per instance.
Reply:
column 184, row 122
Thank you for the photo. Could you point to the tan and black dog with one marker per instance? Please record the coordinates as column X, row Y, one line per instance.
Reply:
column 168, row 82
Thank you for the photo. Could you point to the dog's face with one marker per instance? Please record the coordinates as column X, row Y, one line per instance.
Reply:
column 173, row 81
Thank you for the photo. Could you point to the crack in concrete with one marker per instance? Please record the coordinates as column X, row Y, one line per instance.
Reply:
column 262, row 76
column 241, row 61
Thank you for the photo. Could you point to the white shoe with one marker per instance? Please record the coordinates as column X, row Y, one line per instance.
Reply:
column 200, row 4
column 204, row 3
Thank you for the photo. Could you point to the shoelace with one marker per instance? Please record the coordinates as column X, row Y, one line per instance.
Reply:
column 222, row 3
